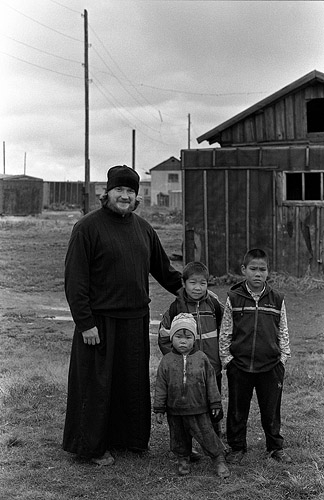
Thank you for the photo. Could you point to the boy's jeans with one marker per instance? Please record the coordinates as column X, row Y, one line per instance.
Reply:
column 268, row 388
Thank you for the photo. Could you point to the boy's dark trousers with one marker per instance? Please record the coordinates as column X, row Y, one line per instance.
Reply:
column 185, row 427
column 268, row 388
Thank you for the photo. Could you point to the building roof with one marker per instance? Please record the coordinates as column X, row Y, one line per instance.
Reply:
column 213, row 135
column 19, row 177
column 171, row 163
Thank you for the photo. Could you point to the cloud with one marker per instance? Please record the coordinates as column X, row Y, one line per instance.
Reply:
column 151, row 64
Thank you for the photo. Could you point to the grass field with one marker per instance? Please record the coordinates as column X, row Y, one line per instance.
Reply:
column 35, row 348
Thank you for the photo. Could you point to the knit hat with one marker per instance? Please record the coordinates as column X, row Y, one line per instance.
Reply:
column 183, row 320
column 121, row 175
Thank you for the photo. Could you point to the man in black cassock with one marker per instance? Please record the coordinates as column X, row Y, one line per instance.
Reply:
column 110, row 255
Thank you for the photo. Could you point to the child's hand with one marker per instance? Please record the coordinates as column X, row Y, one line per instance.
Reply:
column 159, row 418
column 216, row 414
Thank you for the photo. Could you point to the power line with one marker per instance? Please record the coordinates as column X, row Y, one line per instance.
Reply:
column 122, row 72
column 136, row 118
column 65, row 6
column 44, row 25
column 41, row 67
column 200, row 93
column 133, row 97
column 123, row 108
column 43, row 51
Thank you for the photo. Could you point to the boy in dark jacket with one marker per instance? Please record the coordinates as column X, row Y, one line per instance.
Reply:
column 207, row 310
column 254, row 347
column 186, row 390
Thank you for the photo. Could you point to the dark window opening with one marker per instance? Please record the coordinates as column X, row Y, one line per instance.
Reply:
column 294, row 186
column 315, row 115
column 312, row 186
column 173, row 178
column 304, row 186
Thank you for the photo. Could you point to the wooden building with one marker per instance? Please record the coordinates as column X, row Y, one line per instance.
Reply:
column 263, row 186
column 20, row 195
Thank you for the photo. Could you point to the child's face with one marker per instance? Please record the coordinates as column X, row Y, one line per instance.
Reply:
column 256, row 273
column 196, row 286
column 183, row 340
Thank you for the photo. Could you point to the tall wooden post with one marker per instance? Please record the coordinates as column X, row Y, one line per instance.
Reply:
column 86, row 207
column 189, row 131
column 133, row 150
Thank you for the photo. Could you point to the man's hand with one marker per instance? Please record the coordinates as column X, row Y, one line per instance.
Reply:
column 91, row 336
column 159, row 418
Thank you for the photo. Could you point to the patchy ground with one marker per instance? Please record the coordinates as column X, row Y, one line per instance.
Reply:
column 35, row 335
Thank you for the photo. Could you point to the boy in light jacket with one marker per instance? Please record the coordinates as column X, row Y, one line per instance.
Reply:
column 254, row 348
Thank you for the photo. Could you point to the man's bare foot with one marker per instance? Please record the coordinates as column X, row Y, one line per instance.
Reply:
column 106, row 460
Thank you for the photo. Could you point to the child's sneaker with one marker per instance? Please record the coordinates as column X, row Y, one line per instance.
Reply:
column 234, row 457
column 183, row 466
column 221, row 467
column 195, row 456
column 281, row 456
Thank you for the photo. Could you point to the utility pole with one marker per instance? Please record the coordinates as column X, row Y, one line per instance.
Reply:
column 189, row 131
column 25, row 163
column 4, row 157
column 133, row 149
column 86, row 208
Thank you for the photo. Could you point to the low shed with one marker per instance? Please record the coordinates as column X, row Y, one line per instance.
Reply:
column 263, row 187
column 20, row 195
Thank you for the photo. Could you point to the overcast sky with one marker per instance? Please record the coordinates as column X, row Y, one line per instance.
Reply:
column 151, row 64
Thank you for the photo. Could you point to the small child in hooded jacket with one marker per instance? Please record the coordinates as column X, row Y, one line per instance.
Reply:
column 186, row 390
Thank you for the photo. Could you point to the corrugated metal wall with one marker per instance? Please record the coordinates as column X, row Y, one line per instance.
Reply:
column 223, row 217
column 67, row 193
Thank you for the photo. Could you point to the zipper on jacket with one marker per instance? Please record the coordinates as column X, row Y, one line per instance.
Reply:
column 199, row 327
column 255, row 332
column 184, row 373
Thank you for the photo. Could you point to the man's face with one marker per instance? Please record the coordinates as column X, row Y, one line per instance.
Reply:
column 121, row 199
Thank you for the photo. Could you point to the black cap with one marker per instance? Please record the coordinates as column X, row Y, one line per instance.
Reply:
column 121, row 175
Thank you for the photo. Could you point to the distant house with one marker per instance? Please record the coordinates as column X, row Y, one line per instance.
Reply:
column 20, row 195
column 263, row 187
column 145, row 192
column 166, row 184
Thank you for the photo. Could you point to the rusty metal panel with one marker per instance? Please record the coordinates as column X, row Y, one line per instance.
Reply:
column 237, row 213
column 230, row 208
column 261, row 214
column 248, row 156
column 194, row 216
column 226, row 157
column 300, row 233
column 22, row 197
column 216, row 221
column 194, row 158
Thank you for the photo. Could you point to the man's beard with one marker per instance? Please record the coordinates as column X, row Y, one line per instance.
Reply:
column 115, row 209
